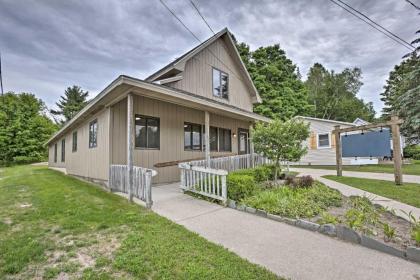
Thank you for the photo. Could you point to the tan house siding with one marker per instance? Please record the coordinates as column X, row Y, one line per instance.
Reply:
column 197, row 76
column 172, row 118
column 86, row 162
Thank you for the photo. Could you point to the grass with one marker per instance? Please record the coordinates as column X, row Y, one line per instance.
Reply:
column 407, row 193
column 410, row 169
column 52, row 224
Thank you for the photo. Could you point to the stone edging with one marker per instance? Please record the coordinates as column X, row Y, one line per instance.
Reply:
column 339, row 231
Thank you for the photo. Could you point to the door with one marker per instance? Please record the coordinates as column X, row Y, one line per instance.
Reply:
column 243, row 143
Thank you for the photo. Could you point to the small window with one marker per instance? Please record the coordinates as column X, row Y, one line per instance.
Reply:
column 220, row 84
column 225, row 140
column 55, row 152
column 63, row 150
column 192, row 136
column 323, row 140
column 74, row 142
column 93, row 134
column 147, row 132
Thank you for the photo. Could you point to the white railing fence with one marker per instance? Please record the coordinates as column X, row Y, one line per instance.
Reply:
column 205, row 181
column 232, row 163
column 142, row 182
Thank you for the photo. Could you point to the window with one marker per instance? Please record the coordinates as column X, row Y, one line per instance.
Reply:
column 63, row 150
column 220, row 84
column 225, row 140
column 213, row 138
column 147, row 132
column 74, row 142
column 324, row 140
column 93, row 134
column 192, row 136
column 55, row 152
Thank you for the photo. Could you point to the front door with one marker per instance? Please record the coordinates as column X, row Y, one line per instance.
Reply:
column 243, row 143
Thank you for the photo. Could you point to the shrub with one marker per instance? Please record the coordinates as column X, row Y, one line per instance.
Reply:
column 412, row 151
column 362, row 214
column 290, row 180
column 306, row 181
column 260, row 173
column 327, row 218
column 240, row 186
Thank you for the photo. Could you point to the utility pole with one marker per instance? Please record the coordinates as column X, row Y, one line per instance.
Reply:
column 1, row 78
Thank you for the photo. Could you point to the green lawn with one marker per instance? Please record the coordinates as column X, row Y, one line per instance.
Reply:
column 407, row 193
column 411, row 169
column 52, row 224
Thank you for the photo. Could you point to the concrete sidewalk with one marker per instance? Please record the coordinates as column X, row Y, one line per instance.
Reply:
column 286, row 250
column 347, row 190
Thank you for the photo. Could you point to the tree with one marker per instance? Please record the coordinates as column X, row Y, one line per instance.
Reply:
column 334, row 95
column 277, row 80
column 24, row 128
column 73, row 100
column 280, row 141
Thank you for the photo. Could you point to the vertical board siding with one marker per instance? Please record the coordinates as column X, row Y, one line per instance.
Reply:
column 197, row 76
column 172, row 118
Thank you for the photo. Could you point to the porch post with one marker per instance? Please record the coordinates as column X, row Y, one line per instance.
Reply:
column 251, row 146
column 130, row 144
column 338, row 155
column 207, row 137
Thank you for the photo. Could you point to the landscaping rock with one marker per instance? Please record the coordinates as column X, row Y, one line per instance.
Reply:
column 347, row 234
column 232, row 204
column 328, row 229
column 307, row 225
column 380, row 246
column 413, row 254
column 240, row 207
column 250, row 210
column 275, row 217
column 261, row 213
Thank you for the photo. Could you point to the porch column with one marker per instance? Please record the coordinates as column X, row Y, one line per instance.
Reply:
column 207, row 137
column 130, row 144
column 251, row 145
column 338, row 152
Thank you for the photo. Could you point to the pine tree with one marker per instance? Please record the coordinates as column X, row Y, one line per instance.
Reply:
column 73, row 100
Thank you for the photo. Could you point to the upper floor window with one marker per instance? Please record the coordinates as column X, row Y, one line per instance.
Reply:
column 74, row 142
column 63, row 150
column 324, row 140
column 147, row 132
column 220, row 84
column 93, row 134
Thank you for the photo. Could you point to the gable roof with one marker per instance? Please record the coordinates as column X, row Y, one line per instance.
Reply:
column 324, row 120
column 178, row 64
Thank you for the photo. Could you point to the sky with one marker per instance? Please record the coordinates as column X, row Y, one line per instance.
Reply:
column 48, row 45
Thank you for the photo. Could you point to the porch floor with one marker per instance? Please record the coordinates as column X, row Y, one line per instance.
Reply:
column 286, row 250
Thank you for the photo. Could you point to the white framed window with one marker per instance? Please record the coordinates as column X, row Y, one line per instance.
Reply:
column 324, row 141
column 220, row 84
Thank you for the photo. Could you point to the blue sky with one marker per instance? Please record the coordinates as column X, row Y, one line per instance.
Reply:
column 48, row 45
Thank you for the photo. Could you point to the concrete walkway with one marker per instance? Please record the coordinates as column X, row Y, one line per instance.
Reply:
column 348, row 190
column 286, row 250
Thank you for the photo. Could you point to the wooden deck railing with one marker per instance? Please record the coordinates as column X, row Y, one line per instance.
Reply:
column 142, row 182
column 232, row 163
column 205, row 181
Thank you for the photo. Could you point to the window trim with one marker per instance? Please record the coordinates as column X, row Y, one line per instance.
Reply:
column 146, row 117
column 220, row 78
column 191, row 149
column 93, row 145
column 329, row 140
column 63, row 150
column 74, row 143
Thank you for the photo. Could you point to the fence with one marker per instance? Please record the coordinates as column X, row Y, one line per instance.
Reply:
column 142, row 182
column 205, row 181
column 232, row 163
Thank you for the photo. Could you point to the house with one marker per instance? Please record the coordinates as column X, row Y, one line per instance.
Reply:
column 198, row 106
column 321, row 143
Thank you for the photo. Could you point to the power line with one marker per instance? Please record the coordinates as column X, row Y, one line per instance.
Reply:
column 198, row 11
column 374, row 25
column 412, row 4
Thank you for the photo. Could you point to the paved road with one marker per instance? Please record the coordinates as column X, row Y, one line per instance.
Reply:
column 347, row 190
column 286, row 250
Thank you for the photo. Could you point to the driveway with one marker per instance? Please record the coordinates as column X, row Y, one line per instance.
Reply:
column 286, row 250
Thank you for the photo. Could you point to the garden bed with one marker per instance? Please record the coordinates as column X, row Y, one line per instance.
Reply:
column 314, row 206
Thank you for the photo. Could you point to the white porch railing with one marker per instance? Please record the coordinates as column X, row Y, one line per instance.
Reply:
column 205, row 181
column 142, row 182
column 232, row 163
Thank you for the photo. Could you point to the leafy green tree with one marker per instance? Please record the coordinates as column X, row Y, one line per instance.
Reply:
column 277, row 80
column 73, row 100
column 281, row 141
column 334, row 95
column 24, row 128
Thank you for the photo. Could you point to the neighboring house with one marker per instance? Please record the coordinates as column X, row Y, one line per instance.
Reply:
column 167, row 114
column 321, row 143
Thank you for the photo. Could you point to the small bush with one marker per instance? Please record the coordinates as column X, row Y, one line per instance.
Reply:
column 327, row 218
column 362, row 214
column 261, row 173
column 306, row 181
column 412, row 151
column 240, row 186
column 290, row 180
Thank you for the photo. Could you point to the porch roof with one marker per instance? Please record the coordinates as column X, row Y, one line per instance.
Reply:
column 120, row 87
